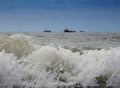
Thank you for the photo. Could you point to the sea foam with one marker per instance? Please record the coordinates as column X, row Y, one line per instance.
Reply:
column 52, row 67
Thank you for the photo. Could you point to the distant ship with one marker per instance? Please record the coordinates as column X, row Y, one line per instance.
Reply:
column 82, row 31
column 47, row 30
column 66, row 30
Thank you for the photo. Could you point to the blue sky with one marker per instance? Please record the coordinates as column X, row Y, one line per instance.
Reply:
column 56, row 15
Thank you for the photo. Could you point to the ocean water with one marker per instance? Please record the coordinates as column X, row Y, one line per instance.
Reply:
column 59, row 60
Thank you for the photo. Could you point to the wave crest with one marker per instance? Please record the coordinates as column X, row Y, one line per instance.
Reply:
column 19, row 46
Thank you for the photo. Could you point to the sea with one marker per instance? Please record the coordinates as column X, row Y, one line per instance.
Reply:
column 60, row 60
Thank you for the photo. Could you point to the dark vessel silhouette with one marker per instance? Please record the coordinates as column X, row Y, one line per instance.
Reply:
column 47, row 30
column 67, row 30
column 82, row 31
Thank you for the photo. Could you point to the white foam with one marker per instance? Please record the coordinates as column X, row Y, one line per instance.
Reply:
column 49, row 66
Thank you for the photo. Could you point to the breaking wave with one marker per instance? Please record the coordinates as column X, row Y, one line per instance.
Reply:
column 17, row 44
column 55, row 67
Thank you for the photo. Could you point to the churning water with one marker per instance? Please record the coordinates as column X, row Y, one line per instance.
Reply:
column 60, row 60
